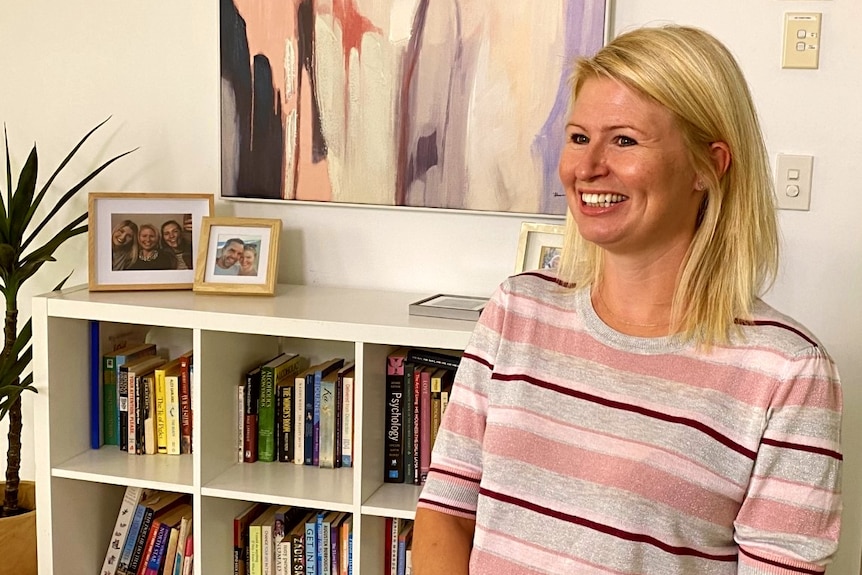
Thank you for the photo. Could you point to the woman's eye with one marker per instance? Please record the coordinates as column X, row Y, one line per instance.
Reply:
column 625, row 141
column 579, row 139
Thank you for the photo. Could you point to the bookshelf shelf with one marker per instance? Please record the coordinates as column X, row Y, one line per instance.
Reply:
column 227, row 334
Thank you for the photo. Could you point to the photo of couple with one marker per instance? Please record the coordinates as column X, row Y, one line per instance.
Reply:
column 237, row 256
column 151, row 242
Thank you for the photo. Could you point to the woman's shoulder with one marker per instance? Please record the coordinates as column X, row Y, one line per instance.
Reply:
column 766, row 326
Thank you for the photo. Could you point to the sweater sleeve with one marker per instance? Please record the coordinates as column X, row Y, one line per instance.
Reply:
column 790, row 519
column 453, row 480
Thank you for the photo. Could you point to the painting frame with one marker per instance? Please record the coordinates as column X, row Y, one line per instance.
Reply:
column 114, row 268
column 538, row 243
column 217, row 268
column 296, row 129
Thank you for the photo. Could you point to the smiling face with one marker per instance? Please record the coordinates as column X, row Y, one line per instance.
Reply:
column 171, row 235
column 629, row 182
column 231, row 254
column 246, row 264
column 123, row 236
column 147, row 238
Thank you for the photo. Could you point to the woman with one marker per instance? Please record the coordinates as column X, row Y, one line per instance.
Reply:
column 177, row 244
column 149, row 255
column 248, row 263
column 124, row 247
column 643, row 411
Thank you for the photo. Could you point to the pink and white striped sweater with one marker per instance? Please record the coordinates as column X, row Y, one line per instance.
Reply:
column 578, row 449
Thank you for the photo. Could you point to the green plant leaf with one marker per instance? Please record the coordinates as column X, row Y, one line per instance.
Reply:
column 4, row 221
column 66, row 197
column 14, row 392
column 22, row 199
column 12, row 368
column 44, row 253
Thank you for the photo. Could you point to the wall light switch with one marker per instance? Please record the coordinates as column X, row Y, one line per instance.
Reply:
column 801, row 40
column 793, row 182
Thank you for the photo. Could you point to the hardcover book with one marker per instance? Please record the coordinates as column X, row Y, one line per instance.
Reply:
column 266, row 408
column 122, row 528
column 449, row 306
column 347, row 376
column 128, row 381
column 186, row 402
column 111, row 389
column 324, row 370
column 393, row 470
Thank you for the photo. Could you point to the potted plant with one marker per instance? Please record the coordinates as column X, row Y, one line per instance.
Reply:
column 24, row 215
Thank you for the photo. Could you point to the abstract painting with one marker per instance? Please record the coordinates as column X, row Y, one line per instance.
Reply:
column 457, row 104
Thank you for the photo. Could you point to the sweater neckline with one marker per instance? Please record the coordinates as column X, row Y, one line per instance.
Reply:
column 618, row 340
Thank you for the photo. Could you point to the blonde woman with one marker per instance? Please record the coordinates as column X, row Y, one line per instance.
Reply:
column 124, row 245
column 642, row 411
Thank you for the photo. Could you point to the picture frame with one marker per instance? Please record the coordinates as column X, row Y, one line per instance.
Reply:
column 539, row 246
column 449, row 306
column 237, row 256
column 115, row 223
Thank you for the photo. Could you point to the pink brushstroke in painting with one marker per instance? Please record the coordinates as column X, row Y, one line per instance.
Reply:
column 452, row 103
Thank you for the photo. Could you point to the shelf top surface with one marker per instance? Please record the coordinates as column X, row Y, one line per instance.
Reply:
column 361, row 313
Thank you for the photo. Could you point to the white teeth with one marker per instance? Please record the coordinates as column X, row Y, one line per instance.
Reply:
column 602, row 200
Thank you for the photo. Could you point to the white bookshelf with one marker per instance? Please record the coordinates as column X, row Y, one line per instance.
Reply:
column 79, row 489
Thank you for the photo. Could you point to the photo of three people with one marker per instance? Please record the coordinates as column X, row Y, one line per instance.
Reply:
column 151, row 242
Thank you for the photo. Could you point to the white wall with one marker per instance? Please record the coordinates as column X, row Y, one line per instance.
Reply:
column 153, row 65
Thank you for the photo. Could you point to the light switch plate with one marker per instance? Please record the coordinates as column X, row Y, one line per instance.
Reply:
column 801, row 40
column 793, row 182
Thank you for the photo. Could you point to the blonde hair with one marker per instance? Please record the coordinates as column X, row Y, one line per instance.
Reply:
column 733, row 257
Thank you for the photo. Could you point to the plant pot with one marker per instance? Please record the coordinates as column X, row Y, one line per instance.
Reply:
column 18, row 534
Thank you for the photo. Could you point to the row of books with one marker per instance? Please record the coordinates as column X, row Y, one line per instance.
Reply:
column 418, row 384
column 398, row 541
column 152, row 535
column 285, row 540
column 292, row 412
column 147, row 400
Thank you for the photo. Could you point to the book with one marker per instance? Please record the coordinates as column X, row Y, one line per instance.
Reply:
column 441, row 379
column 405, row 536
column 266, row 407
column 417, row 424
column 255, row 539
column 252, row 405
column 393, row 471
column 116, row 392
column 240, row 537
column 156, row 503
column 392, row 526
column 284, row 409
column 167, row 564
column 325, row 369
column 158, row 549
column 184, row 533
column 449, row 306
column 308, row 417
column 328, row 407
column 434, row 358
column 424, row 425
column 167, row 405
column 332, row 523
column 107, row 339
column 188, row 556
column 347, row 376
column 127, row 385
column 299, row 416
column 240, row 421
column 172, row 413
column 148, row 385
column 122, row 526
column 285, row 516
column 283, row 376
column 186, row 402
column 344, row 539
column 411, row 422
column 324, row 552
column 310, row 541
column 296, row 536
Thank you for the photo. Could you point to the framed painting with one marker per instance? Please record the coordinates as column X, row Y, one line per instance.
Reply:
column 452, row 104
column 144, row 241
column 238, row 256
column 539, row 246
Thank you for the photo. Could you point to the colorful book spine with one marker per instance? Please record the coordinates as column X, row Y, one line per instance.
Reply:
column 159, row 549
column 132, row 536
column 252, row 394
column 299, row 419
column 393, row 471
column 286, row 428
column 425, row 426
column 266, row 415
column 172, row 414
column 417, row 423
column 326, row 455
column 186, row 403
column 347, row 420
column 240, row 422
column 308, row 418
column 122, row 528
column 132, row 406
column 161, row 412
column 96, row 397
column 310, row 541
column 123, row 391
column 408, row 406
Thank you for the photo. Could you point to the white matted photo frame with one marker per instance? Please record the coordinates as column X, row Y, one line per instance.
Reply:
column 539, row 246
column 144, row 240
column 238, row 256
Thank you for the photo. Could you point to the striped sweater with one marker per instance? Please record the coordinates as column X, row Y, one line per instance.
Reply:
column 578, row 449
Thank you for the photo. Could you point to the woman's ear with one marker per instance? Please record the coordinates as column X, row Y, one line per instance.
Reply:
column 720, row 153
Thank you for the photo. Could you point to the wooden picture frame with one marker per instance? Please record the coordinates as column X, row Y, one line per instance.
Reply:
column 539, row 246
column 224, row 255
column 115, row 222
